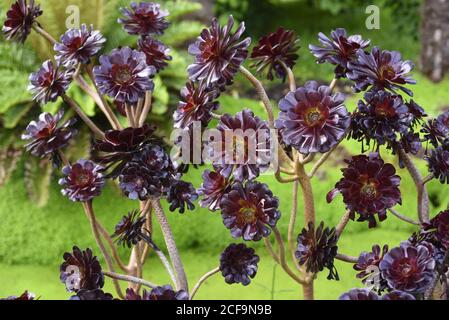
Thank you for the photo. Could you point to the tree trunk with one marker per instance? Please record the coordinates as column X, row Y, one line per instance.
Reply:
column 435, row 39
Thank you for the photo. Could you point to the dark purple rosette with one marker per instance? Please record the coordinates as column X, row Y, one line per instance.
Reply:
column 238, row 264
column 20, row 19
column 49, row 82
column 369, row 186
column 79, row 45
column 156, row 52
column 438, row 163
column 382, row 117
column 144, row 18
column 214, row 187
column 409, row 268
column 339, row 49
column 180, row 195
column 198, row 101
column 312, row 119
column 167, row 293
column 381, row 69
column 317, row 249
column 46, row 135
column 82, row 181
column 359, row 294
column 243, row 149
column 276, row 51
column 81, row 270
column 250, row 211
column 124, row 75
column 218, row 53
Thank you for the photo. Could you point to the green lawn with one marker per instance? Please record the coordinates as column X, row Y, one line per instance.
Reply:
column 44, row 280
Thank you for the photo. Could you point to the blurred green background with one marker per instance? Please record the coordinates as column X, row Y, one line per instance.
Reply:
column 37, row 224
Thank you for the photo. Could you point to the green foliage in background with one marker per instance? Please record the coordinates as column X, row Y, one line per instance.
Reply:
column 17, row 61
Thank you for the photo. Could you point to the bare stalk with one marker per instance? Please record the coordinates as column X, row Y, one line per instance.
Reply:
column 202, row 280
column 346, row 258
column 423, row 196
column 83, row 116
column 261, row 93
column 44, row 34
column 282, row 259
column 333, row 83
column 91, row 216
column 146, row 108
column 429, row 178
column 402, row 217
column 104, row 106
column 309, row 216
column 64, row 159
column 129, row 279
column 110, row 242
column 139, row 109
column 270, row 250
column 129, row 115
column 285, row 180
column 171, row 246
column 320, row 162
column 342, row 224
column 291, row 226
column 291, row 77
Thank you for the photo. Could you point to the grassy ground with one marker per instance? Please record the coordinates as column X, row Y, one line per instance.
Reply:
column 270, row 282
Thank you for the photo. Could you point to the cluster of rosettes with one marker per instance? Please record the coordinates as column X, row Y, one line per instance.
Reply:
column 82, row 275
column 384, row 116
column 369, row 186
column 436, row 133
column 416, row 269
column 387, row 119
column 406, row 272
column 143, row 167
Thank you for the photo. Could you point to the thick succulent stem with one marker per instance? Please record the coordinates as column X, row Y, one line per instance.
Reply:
column 91, row 216
column 103, row 103
column 282, row 258
column 83, row 116
column 146, row 108
column 291, row 77
column 202, row 280
column 129, row 279
column 403, row 218
column 44, row 34
column 342, row 224
column 346, row 258
column 112, row 246
column 261, row 93
column 181, row 278
column 423, row 196
column 309, row 216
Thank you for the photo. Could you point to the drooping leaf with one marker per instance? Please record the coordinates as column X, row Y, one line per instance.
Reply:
column 14, row 89
column 9, row 157
column 37, row 179
column 13, row 116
